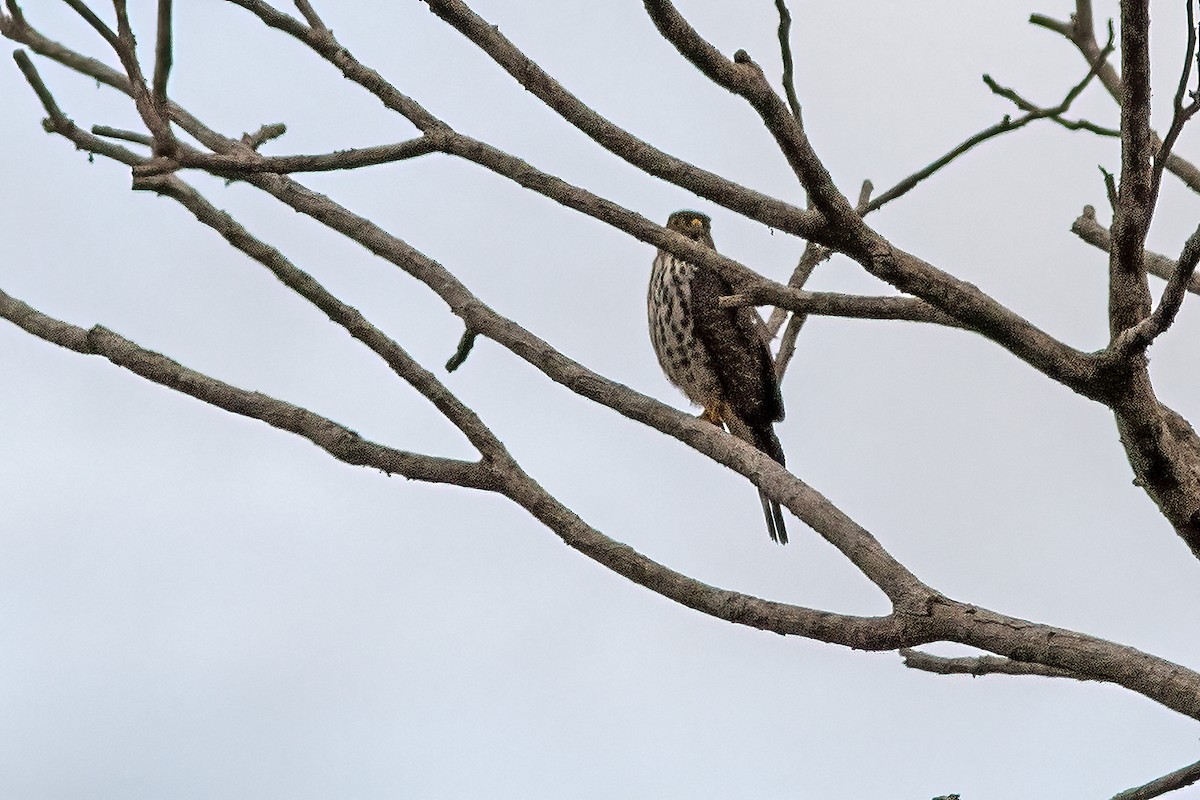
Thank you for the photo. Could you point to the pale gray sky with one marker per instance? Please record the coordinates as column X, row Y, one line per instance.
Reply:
column 196, row 605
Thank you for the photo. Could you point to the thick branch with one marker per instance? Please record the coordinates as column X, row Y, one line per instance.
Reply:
column 1129, row 298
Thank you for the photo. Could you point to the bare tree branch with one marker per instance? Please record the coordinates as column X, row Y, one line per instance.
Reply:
column 340, row 442
column 1006, row 125
column 745, row 78
column 1054, row 114
column 1139, row 337
column 81, row 8
column 833, row 304
column 123, row 135
column 1181, row 112
column 1089, row 230
column 1080, row 31
column 787, row 343
column 263, row 135
column 785, row 51
column 163, row 55
column 153, row 114
column 767, row 210
column 243, row 160
column 1128, row 294
column 16, row 16
column 1178, row 779
column 976, row 666
column 310, row 15
column 299, row 281
column 920, row 614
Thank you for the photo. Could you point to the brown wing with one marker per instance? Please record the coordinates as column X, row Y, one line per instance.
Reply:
column 737, row 343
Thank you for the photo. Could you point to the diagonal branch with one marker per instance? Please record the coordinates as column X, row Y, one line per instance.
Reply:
column 755, row 205
column 1178, row 779
column 743, row 77
column 81, row 8
column 340, row 442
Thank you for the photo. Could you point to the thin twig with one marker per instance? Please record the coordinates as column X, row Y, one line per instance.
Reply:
column 813, row 255
column 976, row 666
column 1006, row 125
column 124, row 135
column 464, row 349
column 263, row 135
column 787, row 343
column 155, row 115
column 1181, row 113
column 785, row 49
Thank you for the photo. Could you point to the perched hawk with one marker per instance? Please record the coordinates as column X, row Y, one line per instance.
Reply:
column 718, row 356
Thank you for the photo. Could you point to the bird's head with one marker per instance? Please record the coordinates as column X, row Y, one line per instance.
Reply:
column 693, row 225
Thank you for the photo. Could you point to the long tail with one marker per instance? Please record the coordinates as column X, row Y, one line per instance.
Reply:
column 763, row 437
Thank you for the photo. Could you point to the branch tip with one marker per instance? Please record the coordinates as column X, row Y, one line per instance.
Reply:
column 464, row 349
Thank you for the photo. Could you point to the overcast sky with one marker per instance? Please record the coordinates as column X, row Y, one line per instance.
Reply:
column 194, row 604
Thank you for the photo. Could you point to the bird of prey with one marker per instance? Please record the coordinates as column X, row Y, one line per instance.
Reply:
column 719, row 357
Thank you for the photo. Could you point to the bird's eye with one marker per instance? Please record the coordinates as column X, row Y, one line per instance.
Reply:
column 696, row 222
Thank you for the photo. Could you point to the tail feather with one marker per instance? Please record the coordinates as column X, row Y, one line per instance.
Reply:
column 763, row 438
column 774, row 517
